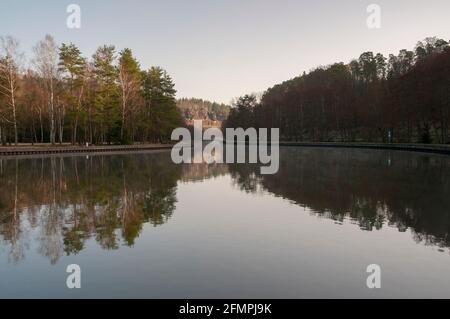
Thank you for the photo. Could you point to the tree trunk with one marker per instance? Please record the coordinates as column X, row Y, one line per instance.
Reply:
column 52, row 115
column 13, row 104
column 41, row 125
column 123, row 115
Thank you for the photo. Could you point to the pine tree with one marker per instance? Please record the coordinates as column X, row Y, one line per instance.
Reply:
column 129, row 82
column 72, row 65
column 107, row 114
column 160, row 104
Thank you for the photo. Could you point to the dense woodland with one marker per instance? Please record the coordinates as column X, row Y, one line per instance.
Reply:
column 199, row 109
column 59, row 95
column 400, row 98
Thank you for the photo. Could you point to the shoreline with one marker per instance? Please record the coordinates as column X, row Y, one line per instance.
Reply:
column 74, row 149
column 43, row 149
column 410, row 147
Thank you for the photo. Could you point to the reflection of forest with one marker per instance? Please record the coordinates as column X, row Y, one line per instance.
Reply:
column 71, row 199
column 372, row 188
column 67, row 200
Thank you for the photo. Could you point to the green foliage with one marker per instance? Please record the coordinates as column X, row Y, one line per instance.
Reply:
column 129, row 82
column 161, row 115
column 243, row 113
column 105, row 99
column 72, row 66
column 71, row 62
column 129, row 63
column 107, row 95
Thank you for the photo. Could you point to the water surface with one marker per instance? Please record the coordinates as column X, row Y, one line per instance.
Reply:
column 140, row 226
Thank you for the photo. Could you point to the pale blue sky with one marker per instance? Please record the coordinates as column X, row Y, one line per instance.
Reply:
column 217, row 49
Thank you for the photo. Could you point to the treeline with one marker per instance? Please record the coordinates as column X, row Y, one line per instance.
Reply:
column 65, row 97
column 199, row 109
column 401, row 98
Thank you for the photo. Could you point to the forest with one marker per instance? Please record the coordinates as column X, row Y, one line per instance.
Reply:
column 199, row 109
column 60, row 96
column 400, row 98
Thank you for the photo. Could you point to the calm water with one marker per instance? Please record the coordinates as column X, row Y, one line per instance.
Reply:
column 140, row 226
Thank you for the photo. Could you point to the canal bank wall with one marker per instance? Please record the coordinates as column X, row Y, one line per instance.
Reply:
column 424, row 148
column 47, row 149
column 69, row 149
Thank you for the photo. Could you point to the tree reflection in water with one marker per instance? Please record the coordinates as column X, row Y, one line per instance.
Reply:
column 371, row 188
column 70, row 200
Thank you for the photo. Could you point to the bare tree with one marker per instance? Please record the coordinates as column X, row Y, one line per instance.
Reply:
column 10, row 61
column 46, row 61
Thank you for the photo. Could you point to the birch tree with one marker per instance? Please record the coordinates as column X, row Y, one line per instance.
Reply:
column 10, row 60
